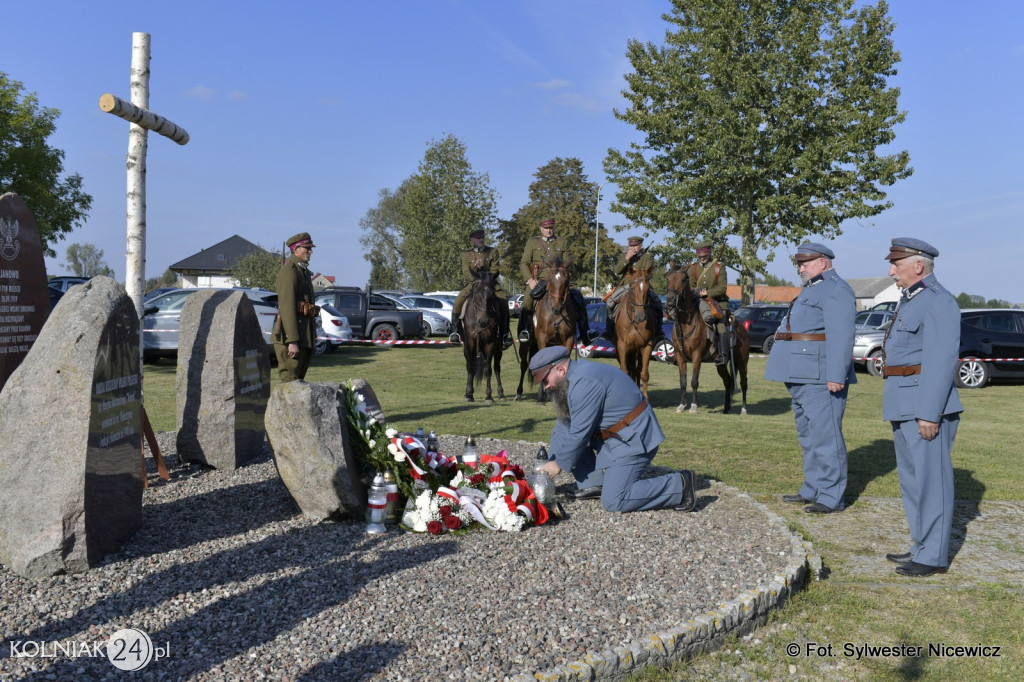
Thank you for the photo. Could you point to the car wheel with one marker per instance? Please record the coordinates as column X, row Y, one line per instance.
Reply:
column 875, row 362
column 665, row 351
column 385, row 332
column 972, row 373
column 321, row 347
column 425, row 330
column 766, row 345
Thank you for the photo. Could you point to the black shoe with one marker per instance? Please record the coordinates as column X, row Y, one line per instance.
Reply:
column 796, row 499
column 905, row 558
column 720, row 360
column 593, row 493
column 524, row 336
column 819, row 508
column 689, row 502
column 586, row 340
column 506, row 340
column 916, row 570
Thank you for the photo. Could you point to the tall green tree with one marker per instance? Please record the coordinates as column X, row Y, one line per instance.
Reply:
column 85, row 260
column 561, row 190
column 168, row 279
column 33, row 169
column 763, row 120
column 257, row 269
column 429, row 218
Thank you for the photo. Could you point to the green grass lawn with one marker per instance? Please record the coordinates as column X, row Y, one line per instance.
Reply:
column 758, row 453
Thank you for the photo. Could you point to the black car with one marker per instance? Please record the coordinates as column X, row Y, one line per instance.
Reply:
column 991, row 346
column 761, row 320
column 597, row 314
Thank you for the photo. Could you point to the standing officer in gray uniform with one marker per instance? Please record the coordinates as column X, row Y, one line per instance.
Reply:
column 606, row 435
column 813, row 355
column 921, row 401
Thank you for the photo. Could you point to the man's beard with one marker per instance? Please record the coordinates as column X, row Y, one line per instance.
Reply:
column 559, row 396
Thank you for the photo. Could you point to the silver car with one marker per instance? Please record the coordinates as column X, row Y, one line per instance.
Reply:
column 867, row 350
column 333, row 329
column 434, row 323
column 162, row 316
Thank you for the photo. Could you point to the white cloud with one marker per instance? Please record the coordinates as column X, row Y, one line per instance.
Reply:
column 554, row 84
column 238, row 95
column 199, row 92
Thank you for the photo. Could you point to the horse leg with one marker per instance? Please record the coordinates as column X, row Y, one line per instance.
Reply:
column 645, row 367
column 470, row 372
column 727, row 380
column 524, row 364
column 695, row 383
column 741, row 367
column 488, row 400
column 497, row 370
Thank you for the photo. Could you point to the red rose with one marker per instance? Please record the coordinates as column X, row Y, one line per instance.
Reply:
column 517, row 470
column 452, row 522
column 476, row 479
column 435, row 527
column 445, row 511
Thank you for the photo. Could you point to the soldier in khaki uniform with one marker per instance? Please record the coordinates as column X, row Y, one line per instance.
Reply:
column 635, row 258
column 539, row 250
column 709, row 280
column 295, row 328
column 478, row 258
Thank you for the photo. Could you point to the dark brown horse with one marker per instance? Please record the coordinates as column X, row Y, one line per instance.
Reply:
column 554, row 319
column 482, row 345
column 636, row 328
column 689, row 335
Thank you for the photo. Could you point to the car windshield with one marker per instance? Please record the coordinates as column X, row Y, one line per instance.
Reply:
column 331, row 310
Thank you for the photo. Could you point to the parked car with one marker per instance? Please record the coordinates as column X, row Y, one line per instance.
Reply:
column 55, row 296
column 515, row 305
column 872, row 319
column 66, row 282
column 441, row 306
column 761, row 320
column 334, row 329
column 162, row 315
column 597, row 314
column 867, row 349
column 884, row 305
column 990, row 333
column 153, row 293
column 433, row 324
column 372, row 316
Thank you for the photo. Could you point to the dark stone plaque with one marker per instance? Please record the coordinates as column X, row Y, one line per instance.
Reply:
column 24, row 299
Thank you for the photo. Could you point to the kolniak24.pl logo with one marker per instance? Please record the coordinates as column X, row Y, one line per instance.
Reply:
column 128, row 649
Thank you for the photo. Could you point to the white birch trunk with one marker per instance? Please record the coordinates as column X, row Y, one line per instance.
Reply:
column 135, row 265
column 147, row 119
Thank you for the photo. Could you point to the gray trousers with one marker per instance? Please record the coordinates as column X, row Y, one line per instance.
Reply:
column 819, row 428
column 623, row 490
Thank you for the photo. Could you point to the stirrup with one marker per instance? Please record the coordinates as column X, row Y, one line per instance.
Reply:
column 506, row 340
column 454, row 338
column 524, row 336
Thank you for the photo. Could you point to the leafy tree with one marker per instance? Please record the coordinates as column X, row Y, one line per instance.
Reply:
column 85, row 260
column 382, row 241
column 562, row 191
column 258, row 269
column 168, row 279
column 429, row 221
column 773, row 281
column 762, row 119
column 32, row 169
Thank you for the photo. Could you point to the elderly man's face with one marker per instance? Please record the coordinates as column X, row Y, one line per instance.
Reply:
column 906, row 272
column 809, row 269
column 303, row 253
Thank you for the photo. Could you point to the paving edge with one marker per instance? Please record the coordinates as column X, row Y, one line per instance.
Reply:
column 704, row 633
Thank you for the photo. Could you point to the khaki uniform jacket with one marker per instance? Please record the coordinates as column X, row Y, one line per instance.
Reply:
column 703, row 277
column 537, row 250
column 645, row 261
column 294, row 284
column 487, row 257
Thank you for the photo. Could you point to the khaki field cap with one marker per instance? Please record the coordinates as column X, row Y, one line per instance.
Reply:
column 301, row 239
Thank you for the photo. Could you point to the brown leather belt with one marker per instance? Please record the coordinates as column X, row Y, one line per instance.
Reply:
column 789, row 336
column 613, row 430
column 901, row 370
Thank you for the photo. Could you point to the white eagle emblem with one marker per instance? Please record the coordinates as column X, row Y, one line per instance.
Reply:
column 10, row 247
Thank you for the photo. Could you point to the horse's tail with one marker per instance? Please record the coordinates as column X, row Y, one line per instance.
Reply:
column 480, row 367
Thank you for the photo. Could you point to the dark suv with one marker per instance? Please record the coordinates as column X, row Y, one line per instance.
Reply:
column 991, row 346
column 761, row 320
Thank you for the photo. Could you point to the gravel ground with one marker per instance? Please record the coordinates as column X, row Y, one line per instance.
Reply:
column 236, row 584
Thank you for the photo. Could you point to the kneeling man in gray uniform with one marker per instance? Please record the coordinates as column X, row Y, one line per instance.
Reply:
column 606, row 436
column 920, row 399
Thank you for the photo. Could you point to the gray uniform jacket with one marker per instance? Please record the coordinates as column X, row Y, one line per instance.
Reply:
column 599, row 397
column 826, row 306
column 926, row 332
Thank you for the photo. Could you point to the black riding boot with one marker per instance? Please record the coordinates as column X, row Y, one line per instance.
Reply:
column 459, row 335
column 719, row 350
column 506, row 335
column 581, row 317
column 525, row 328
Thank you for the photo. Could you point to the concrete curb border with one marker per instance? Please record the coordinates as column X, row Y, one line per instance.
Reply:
column 703, row 633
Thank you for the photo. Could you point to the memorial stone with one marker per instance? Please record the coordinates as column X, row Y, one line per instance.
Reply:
column 308, row 431
column 70, row 415
column 24, row 298
column 223, row 380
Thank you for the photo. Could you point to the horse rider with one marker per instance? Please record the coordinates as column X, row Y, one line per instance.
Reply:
column 534, row 269
column 475, row 259
column 709, row 280
column 635, row 258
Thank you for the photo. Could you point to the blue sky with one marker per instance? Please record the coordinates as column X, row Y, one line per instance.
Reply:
column 300, row 113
